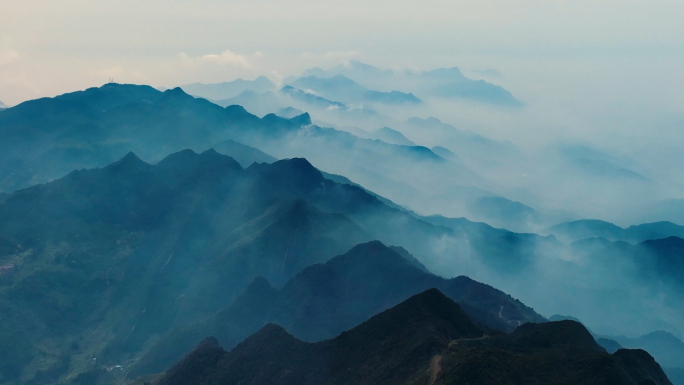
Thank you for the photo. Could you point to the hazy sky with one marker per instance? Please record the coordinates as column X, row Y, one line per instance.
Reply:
column 51, row 47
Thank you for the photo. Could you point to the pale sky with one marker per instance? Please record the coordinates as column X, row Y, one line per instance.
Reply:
column 51, row 47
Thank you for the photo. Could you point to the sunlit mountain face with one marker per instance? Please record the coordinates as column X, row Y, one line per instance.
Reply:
column 360, row 193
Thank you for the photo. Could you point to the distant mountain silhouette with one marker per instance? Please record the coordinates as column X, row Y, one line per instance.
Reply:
column 342, row 88
column 444, row 152
column 227, row 90
column 354, row 69
column 441, row 83
column 47, row 138
column 464, row 143
column 662, row 210
column 289, row 112
column 574, row 231
column 288, row 96
column 665, row 347
column 591, row 162
column 324, row 300
column 245, row 155
column 503, row 212
column 258, row 103
column 450, row 83
column 312, row 99
column 659, row 259
column 425, row 339
column 389, row 135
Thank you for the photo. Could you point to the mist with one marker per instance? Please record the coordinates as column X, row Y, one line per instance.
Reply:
column 170, row 171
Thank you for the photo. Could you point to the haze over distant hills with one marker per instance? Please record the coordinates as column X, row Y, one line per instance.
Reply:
column 439, row 83
column 137, row 253
column 90, row 254
column 342, row 193
column 219, row 91
column 342, row 88
column 389, row 135
column 577, row 230
column 93, row 127
column 131, row 250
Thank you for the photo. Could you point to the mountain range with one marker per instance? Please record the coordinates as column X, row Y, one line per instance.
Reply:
column 342, row 88
column 389, row 135
column 107, row 258
column 473, row 150
column 127, row 266
column 438, row 83
column 660, row 258
column 663, row 346
column 578, row 230
column 219, row 91
column 49, row 137
column 426, row 339
column 304, row 100
column 324, row 300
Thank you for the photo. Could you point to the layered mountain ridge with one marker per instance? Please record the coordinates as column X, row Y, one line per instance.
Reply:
column 132, row 249
column 425, row 339
column 324, row 300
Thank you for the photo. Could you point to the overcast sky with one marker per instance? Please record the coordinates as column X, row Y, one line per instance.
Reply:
column 624, row 53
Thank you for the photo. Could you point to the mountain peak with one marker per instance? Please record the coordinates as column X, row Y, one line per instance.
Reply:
column 302, row 120
column 372, row 246
column 208, row 342
column 553, row 334
column 260, row 283
column 375, row 259
column 428, row 330
column 206, row 355
column 297, row 170
column 176, row 94
column 237, row 113
column 189, row 161
column 429, row 319
column 130, row 162
column 272, row 330
column 343, row 79
column 111, row 95
column 129, row 156
column 175, row 91
column 453, row 72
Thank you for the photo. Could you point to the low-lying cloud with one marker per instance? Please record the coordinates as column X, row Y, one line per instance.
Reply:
column 226, row 57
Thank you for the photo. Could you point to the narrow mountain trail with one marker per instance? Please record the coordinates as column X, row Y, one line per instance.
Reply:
column 456, row 342
column 435, row 368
